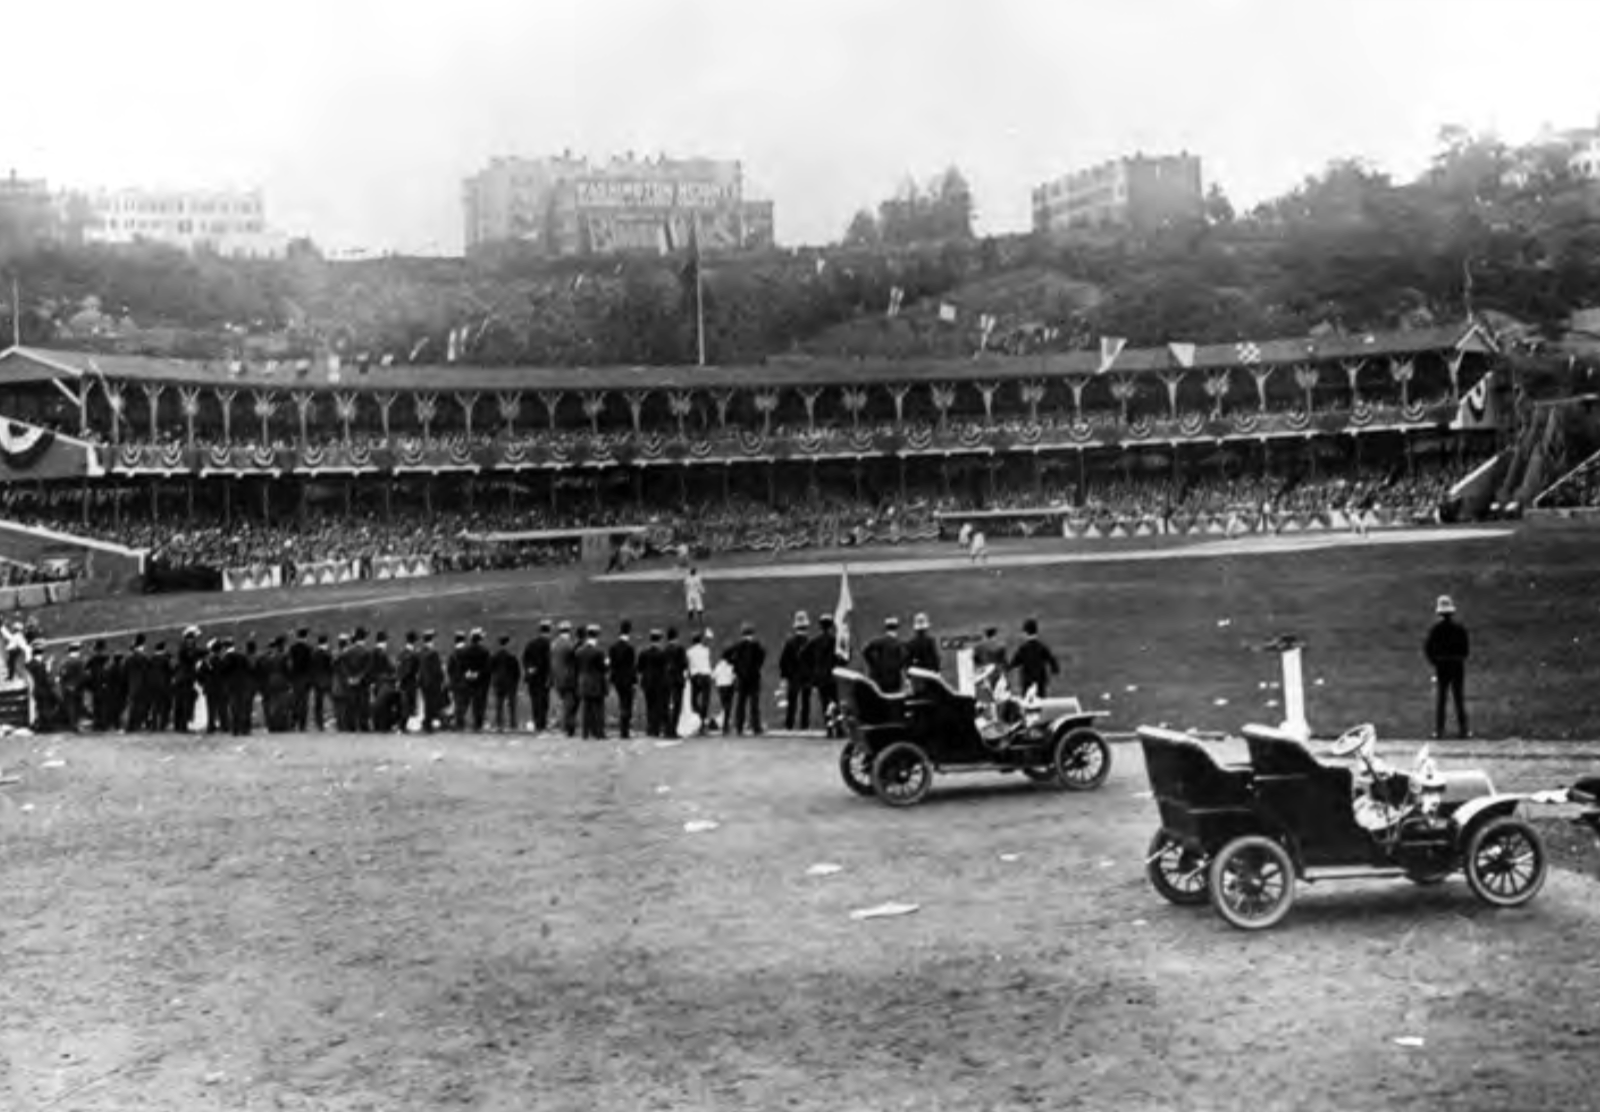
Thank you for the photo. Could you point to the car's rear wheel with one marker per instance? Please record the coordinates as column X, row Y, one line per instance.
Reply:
column 1082, row 760
column 902, row 774
column 855, row 767
column 1252, row 882
column 1178, row 874
column 1506, row 862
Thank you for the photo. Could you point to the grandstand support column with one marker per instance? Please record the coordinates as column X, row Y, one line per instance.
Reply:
column 727, row 478
column 266, row 501
column 155, row 501
column 349, row 497
column 83, row 502
column 1083, row 478
column 189, row 495
column 227, row 502
column 388, row 499
column 901, row 460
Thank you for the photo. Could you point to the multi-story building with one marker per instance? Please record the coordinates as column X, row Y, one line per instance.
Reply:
column 567, row 206
column 1139, row 193
column 30, row 214
column 228, row 222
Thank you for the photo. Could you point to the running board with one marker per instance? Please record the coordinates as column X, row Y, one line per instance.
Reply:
column 1359, row 873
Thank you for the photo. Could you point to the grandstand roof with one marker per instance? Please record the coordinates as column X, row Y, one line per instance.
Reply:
column 25, row 364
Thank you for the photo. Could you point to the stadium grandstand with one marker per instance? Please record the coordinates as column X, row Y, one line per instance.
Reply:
column 239, row 474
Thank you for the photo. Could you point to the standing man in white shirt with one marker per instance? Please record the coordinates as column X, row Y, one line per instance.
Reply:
column 700, row 679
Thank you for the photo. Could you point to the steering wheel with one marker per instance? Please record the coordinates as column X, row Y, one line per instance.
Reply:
column 1355, row 740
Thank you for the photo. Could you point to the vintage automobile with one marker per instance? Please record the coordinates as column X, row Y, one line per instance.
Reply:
column 1241, row 836
column 897, row 742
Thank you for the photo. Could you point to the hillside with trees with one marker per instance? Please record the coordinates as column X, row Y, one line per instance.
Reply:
column 1500, row 229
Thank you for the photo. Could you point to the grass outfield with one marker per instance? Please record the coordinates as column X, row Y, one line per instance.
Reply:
column 504, row 923
column 1152, row 640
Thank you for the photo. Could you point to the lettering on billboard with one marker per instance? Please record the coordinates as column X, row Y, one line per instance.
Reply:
column 635, row 193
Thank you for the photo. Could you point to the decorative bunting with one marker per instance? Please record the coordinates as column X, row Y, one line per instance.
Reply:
column 1110, row 348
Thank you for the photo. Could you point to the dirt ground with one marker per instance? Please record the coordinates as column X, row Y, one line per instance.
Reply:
column 509, row 922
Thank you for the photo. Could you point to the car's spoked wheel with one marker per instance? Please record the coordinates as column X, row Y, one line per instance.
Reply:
column 855, row 767
column 1252, row 882
column 1082, row 760
column 1506, row 862
column 1177, row 873
column 902, row 775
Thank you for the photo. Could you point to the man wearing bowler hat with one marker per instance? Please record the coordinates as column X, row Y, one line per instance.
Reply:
column 793, row 670
column 1447, row 649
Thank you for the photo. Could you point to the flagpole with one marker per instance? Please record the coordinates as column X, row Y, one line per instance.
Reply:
column 699, row 304
column 16, row 313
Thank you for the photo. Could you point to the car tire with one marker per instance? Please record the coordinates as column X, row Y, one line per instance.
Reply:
column 1173, row 874
column 855, row 767
column 1252, row 882
column 1082, row 760
column 902, row 774
column 1506, row 862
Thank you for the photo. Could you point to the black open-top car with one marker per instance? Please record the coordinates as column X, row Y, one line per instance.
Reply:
column 897, row 742
column 1241, row 835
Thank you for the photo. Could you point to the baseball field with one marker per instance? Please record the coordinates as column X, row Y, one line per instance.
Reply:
column 513, row 921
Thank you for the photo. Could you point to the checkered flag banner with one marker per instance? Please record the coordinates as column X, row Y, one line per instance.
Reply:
column 1248, row 353
column 896, row 296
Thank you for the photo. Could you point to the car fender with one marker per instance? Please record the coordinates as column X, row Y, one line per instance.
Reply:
column 1063, row 726
column 1477, row 811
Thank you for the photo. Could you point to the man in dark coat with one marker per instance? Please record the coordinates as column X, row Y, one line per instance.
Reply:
column 185, row 679
column 430, row 682
column 748, row 657
column 117, row 691
column 408, row 672
column 298, row 667
column 922, row 651
column 1033, row 662
column 277, row 695
column 677, row 675
column 536, row 667
column 564, row 676
column 821, row 658
column 653, row 681
column 136, row 678
column 71, row 678
column 358, row 675
column 795, row 673
column 1447, row 649
column 385, row 690
column 623, row 664
column 343, row 700
column 322, row 682
column 590, row 661
column 477, row 660
column 98, row 681
column 215, row 689
column 159, row 671
column 885, row 656
column 505, row 677
column 47, row 708
column 240, row 686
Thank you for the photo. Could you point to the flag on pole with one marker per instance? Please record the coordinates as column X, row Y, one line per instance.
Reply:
column 822, row 264
column 896, row 297
column 986, row 323
column 1110, row 348
column 841, row 615
column 452, row 347
column 416, row 349
column 1475, row 410
column 947, row 312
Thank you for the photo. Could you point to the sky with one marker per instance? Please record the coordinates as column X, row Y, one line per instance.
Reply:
column 359, row 119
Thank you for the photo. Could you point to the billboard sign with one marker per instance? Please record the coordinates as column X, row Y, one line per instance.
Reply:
column 647, row 193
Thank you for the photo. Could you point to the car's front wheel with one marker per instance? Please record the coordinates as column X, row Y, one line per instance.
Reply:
column 1082, row 760
column 1506, row 862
